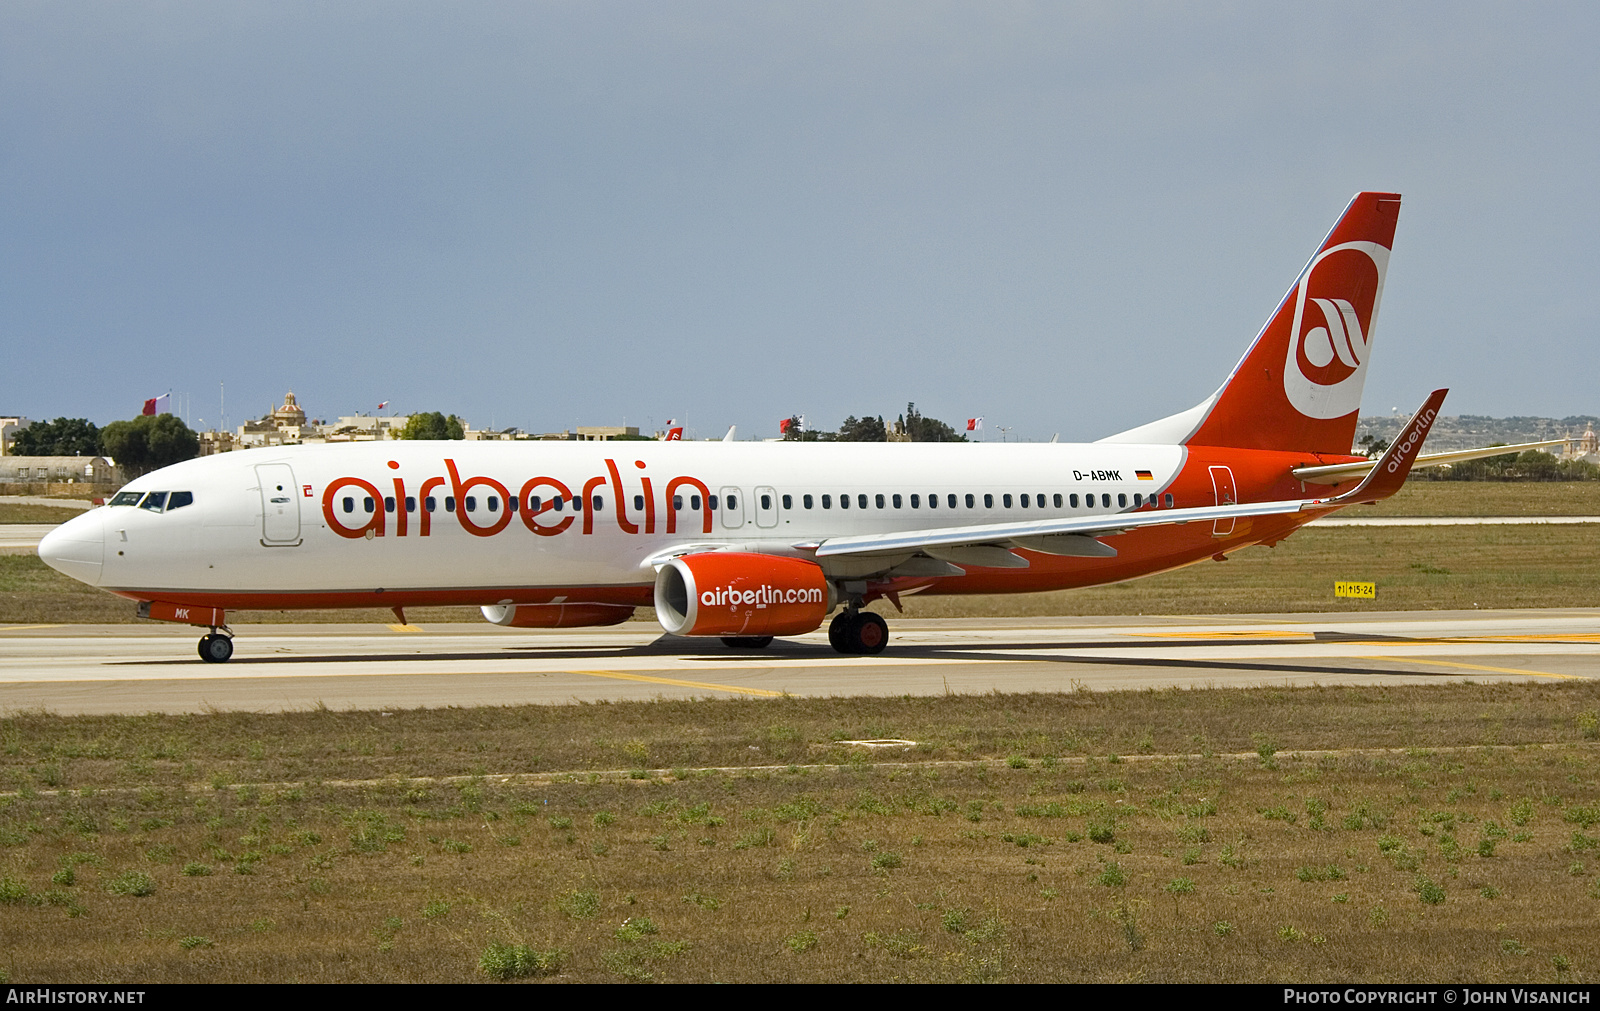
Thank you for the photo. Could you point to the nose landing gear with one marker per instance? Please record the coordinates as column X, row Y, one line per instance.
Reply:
column 215, row 647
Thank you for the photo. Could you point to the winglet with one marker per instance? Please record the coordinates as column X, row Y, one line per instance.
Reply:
column 1392, row 468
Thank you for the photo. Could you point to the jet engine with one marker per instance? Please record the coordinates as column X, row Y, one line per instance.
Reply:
column 735, row 593
column 556, row 615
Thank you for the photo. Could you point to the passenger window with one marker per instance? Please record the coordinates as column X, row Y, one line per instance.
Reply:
column 368, row 504
column 638, row 502
column 179, row 499
column 1136, row 500
column 1169, row 500
column 677, row 502
column 971, row 501
column 896, row 501
column 844, row 501
column 988, row 501
column 694, row 502
column 154, row 501
column 388, row 503
column 411, row 503
column 805, row 500
column 1074, row 500
column 1023, row 501
column 534, row 502
column 558, row 503
column 861, row 500
column 1058, row 500
column 788, row 502
column 472, row 503
column 1122, row 501
column 127, row 498
column 1006, row 499
column 430, row 503
column 711, row 500
column 766, row 501
column 449, row 503
column 827, row 501
column 494, row 503
column 598, row 503
column 733, row 501
column 877, row 500
column 1105, row 500
column 916, row 501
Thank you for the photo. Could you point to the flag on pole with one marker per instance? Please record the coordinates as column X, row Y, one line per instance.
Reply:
column 975, row 424
column 157, row 405
column 383, row 405
column 783, row 426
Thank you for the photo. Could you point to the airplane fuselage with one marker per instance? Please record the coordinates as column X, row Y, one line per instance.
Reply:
column 420, row 523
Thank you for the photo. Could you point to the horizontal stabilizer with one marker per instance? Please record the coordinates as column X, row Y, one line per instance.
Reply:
column 1337, row 473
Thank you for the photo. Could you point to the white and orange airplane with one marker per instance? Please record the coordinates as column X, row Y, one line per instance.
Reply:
column 754, row 540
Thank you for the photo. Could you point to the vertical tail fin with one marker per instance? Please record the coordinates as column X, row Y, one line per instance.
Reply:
column 1299, row 385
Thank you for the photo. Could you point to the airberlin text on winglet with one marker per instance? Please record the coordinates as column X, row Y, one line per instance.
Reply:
column 525, row 498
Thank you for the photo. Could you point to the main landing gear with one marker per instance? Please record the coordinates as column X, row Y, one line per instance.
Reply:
column 215, row 647
column 859, row 632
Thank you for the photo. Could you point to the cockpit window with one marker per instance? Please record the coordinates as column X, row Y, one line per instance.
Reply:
column 127, row 498
column 154, row 501
column 180, row 499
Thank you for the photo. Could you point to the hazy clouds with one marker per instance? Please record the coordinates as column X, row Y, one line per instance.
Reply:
column 1065, row 217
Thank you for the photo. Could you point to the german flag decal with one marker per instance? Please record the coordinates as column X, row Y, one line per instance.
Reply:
column 1144, row 475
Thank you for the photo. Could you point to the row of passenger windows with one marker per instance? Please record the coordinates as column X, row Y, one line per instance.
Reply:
column 155, row 501
column 970, row 500
column 536, row 503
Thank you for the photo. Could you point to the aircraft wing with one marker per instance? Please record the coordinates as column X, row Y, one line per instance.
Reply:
column 1333, row 473
column 1078, row 535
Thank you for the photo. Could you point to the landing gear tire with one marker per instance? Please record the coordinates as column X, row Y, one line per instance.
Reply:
column 839, row 632
column 747, row 641
column 862, row 633
column 215, row 648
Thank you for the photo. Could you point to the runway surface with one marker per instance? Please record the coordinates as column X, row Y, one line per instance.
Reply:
column 147, row 668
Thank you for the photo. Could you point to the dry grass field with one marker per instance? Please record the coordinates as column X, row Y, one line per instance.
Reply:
column 1447, row 833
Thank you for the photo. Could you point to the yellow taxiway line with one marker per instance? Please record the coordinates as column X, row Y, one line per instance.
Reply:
column 1473, row 666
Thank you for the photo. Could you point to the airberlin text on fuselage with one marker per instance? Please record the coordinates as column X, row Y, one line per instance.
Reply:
column 547, row 520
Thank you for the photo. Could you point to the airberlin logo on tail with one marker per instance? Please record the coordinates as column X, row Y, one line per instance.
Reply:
column 1331, row 337
column 1419, row 431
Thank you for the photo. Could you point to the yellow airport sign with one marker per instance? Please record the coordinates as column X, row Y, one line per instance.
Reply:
column 1360, row 591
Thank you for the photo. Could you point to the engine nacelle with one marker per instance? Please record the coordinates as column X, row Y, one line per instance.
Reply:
column 735, row 593
column 556, row 615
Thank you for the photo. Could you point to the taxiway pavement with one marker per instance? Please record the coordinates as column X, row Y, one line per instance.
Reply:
column 147, row 668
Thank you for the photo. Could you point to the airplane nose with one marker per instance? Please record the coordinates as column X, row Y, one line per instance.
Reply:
column 77, row 547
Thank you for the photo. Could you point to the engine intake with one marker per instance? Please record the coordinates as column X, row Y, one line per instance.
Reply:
column 735, row 593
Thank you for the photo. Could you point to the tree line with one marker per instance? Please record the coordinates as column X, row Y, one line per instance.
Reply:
column 138, row 446
column 912, row 426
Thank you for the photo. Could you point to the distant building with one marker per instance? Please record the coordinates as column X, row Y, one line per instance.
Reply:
column 9, row 427
column 602, row 433
column 95, row 470
column 1585, row 447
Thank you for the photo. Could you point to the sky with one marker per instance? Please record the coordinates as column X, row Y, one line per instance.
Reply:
column 1065, row 217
